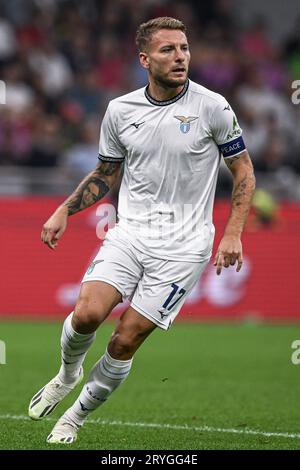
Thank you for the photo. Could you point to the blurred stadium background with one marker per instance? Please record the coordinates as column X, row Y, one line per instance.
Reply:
column 61, row 62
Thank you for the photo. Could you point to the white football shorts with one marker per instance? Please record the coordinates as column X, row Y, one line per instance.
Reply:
column 156, row 288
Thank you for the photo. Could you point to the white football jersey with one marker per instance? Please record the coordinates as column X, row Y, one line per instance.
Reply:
column 171, row 152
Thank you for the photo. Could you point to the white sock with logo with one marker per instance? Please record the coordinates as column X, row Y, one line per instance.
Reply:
column 74, row 347
column 107, row 374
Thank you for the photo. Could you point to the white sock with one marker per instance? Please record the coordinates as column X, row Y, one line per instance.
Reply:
column 107, row 374
column 74, row 347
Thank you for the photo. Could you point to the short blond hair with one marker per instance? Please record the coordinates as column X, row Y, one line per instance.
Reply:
column 146, row 30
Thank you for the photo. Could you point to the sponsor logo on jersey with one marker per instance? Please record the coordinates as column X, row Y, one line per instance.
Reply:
column 236, row 130
column 137, row 124
column 185, row 122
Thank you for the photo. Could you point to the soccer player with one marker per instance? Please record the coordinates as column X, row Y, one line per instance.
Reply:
column 170, row 136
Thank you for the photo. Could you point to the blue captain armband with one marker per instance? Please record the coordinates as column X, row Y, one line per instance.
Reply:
column 232, row 148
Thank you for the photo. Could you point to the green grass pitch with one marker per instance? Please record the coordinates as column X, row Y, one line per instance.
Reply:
column 194, row 387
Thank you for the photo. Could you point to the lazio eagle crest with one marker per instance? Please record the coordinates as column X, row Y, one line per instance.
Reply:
column 185, row 122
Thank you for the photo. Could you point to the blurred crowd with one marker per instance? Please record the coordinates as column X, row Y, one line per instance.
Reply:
column 63, row 60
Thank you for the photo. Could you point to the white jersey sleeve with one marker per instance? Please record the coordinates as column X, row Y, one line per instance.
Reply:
column 110, row 147
column 226, row 131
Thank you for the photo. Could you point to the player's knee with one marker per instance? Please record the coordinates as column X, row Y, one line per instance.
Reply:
column 122, row 345
column 87, row 315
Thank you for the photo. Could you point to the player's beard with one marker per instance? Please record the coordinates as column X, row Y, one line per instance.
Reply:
column 166, row 82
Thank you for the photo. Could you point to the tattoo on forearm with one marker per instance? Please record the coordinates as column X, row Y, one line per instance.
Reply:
column 93, row 187
column 241, row 202
column 240, row 192
column 231, row 160
column 107, row 169
column 87, row 194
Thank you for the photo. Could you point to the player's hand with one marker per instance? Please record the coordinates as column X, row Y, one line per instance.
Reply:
column 55, row 227
column 228, row 253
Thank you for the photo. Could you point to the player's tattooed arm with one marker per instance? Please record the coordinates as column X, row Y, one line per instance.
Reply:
column 230, row 248
column 93, row 187
column 243, row 189
column 229, row 161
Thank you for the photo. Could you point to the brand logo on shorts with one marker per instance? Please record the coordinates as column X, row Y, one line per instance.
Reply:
column 163, row 314
column 92, row 265
column 185, row 122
